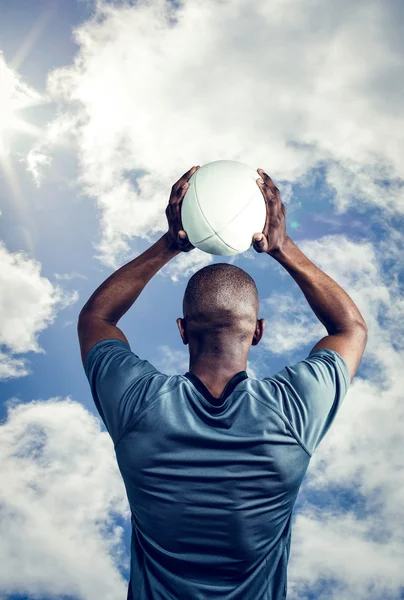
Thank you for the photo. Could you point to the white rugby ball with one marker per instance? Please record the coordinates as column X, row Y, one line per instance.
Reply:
column 223, row 207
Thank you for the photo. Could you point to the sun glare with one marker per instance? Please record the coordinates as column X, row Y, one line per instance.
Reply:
column 14, row 97
column 8, row 118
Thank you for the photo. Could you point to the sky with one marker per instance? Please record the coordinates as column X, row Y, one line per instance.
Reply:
column 103, row 106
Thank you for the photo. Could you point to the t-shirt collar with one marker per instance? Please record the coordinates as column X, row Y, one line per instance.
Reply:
column 230, row 386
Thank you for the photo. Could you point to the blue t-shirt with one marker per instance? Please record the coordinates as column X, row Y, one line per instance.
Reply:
column 211, row 483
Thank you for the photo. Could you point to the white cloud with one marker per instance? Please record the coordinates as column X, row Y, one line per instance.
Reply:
column 358, row 267
column 337, row 551
column 60, row 495
column 35, row 162
column 359, row 549
column 29, row 303
column 186, row 264
column 286, row 86
column 11, row 367
column 59, row 134
column 69, row 276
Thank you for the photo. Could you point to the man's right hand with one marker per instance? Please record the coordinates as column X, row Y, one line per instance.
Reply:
column 273, row 236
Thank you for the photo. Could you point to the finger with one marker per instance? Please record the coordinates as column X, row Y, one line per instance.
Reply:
column 264, row 175
column 177, row 186
column 268, row 181
column 177, row 197
column 268, row 193
column 259, row 244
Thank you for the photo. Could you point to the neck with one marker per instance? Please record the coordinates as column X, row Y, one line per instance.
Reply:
column 218, row 367
column 216, row 373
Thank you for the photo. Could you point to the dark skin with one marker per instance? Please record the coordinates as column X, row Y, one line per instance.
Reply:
column 216, row 370
column 99, row 317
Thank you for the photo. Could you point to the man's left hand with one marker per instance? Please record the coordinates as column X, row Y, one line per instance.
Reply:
column 176, row 235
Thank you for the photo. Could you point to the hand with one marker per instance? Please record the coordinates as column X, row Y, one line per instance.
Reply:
column 177, row 237
column 273, row 237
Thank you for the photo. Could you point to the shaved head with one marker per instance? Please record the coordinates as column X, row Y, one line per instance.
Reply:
column 221, row 300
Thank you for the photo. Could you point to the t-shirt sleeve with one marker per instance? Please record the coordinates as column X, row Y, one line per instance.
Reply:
column 310, row 393
column 121, row 383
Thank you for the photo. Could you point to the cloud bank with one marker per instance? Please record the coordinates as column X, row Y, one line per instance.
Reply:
column 287, row 86
column 306, row 90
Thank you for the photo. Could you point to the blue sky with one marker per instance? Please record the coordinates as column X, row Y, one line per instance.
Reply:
column 127, row 99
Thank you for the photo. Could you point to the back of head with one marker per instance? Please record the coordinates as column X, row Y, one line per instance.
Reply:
column 221, row 300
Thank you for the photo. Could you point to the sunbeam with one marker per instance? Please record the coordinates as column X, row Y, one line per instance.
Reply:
column 15, row 96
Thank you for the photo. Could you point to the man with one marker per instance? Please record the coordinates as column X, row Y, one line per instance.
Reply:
column 212, row 460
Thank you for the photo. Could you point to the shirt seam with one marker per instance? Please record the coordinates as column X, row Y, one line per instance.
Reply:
column 286, row 422
column 341, row 365
column 138, row 416
column 154, row 398
column 282, row 417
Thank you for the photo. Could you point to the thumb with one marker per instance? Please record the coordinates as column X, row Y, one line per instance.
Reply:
column 182, row 234
column 258, row 237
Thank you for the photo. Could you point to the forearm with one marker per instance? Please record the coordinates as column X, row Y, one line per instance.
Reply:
column 113, row 298
column 330, row 303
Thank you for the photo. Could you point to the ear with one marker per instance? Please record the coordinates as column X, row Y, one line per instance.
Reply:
column 181, row 326
column 259, row 332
